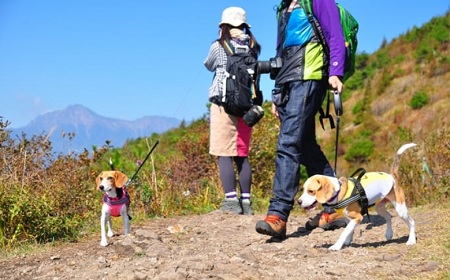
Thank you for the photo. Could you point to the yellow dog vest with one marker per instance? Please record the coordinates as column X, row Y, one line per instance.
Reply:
column 376, row 185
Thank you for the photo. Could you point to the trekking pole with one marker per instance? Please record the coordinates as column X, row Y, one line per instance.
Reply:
column 140, row 166
column 338, row 109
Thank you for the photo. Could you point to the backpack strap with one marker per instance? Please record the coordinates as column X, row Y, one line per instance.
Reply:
column 228, row 47
column 291, row 6
column 307, row 6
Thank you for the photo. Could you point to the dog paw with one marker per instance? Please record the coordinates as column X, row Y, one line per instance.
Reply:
column 411, row 241
column 103, row 243
column 389, row 235
column 110, row 234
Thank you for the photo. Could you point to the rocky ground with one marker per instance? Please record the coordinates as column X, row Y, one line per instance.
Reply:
column 226, row 246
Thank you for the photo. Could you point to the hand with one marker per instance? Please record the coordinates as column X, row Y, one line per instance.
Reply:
column 275, row 110
column 336, row 83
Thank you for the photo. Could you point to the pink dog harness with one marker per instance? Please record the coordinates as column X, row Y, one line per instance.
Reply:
column 116, row 203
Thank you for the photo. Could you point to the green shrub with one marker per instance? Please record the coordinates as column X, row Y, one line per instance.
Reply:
column 359, row 151
column 354, row 82
column 385, row 81
column 383, row 59
column 418, row 100
column 400, row 58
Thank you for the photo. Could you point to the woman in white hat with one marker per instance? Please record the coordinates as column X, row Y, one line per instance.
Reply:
column 229, row 135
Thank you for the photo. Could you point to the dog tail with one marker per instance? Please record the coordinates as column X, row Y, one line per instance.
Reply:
column 396, row 163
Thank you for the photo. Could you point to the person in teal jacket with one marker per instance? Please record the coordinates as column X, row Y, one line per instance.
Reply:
column 307, row 72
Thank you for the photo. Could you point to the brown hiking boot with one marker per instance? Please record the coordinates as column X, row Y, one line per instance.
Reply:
column 326, row 221
column 272, row 225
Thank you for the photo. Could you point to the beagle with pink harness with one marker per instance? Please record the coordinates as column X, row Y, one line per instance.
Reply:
column 116, row 202
column 379, row 188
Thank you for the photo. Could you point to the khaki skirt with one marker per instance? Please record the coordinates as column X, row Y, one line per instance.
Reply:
column 229, row 135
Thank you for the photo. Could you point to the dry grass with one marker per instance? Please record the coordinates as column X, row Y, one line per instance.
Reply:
column 434, row 244
column 432, row 251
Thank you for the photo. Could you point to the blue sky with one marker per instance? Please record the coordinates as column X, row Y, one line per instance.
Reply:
column 128, row 59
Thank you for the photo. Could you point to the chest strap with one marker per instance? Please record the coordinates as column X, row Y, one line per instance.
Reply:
column 358, row 194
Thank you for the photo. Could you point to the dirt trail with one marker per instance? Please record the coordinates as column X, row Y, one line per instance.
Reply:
column 226, row 246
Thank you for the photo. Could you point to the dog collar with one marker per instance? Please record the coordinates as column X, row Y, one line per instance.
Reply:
column 333, row 198
column 124, row 198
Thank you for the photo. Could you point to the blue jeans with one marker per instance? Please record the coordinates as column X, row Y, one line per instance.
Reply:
column 297, row 144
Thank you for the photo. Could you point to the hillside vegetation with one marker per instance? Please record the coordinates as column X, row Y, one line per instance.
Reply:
column 399, row 94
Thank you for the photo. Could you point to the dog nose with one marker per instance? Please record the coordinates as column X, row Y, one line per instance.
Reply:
column 299, row 201
column 101, row 187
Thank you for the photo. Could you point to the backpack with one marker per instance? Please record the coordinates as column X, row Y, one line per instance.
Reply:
column 240, row 89
column 350, row 28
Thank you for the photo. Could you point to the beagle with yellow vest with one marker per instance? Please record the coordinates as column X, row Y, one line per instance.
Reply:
column 379, row 188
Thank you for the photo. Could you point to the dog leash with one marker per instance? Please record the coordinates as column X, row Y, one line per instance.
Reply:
column 140, row 166
column 326, row 115
column 338, row 109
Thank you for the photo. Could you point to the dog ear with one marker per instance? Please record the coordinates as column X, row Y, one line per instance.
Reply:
column 312, row 184
column 120, row 178
column 98, row 180
column 325, row 191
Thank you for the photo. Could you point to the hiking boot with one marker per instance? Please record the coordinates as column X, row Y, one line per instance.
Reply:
column 231, row 205
column 326, row 221
column 272, row 225
column 246, row 207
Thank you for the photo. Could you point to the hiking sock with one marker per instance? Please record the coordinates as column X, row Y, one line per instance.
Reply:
column 245, row 196
column 230, row 195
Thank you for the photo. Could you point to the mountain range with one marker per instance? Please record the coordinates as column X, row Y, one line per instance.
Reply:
column 77, row 127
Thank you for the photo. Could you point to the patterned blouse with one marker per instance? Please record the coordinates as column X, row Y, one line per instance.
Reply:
column 216, row 61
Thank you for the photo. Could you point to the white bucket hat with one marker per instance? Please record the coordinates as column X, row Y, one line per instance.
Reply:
column 234, row 16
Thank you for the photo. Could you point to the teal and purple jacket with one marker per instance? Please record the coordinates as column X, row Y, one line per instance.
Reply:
column 302, row 53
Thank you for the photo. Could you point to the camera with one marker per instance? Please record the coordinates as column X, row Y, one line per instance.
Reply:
column 253, row 115
column 272, row 67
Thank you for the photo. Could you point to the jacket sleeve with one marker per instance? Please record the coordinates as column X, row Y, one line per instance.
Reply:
column 328, row 16
column 211, row 61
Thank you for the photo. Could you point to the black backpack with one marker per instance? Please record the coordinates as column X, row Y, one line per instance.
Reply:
column 240, row 87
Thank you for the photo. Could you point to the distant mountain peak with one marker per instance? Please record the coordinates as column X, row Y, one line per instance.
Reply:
column 92, row 129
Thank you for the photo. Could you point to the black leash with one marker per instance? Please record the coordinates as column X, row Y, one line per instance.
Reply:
column 326, row 115
column 338, row 109
column 140, row 166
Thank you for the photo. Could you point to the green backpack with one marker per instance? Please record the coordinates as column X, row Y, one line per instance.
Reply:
column 350, row 29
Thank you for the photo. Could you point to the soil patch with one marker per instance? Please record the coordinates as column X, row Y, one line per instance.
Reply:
column 226, row 246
